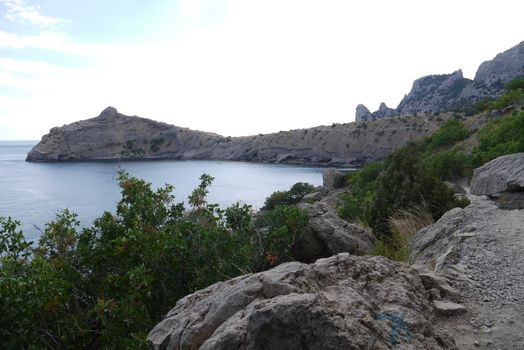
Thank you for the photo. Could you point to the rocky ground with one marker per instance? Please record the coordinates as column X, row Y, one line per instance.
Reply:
column 480, row 250
column 487, row 268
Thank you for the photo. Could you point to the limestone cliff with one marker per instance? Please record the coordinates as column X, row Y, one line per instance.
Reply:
column 446, row 92
column 113, row 135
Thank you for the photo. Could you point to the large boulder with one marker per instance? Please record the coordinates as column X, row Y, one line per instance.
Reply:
column 327, row 234
column 343, row 302
column 329, row 178
column 503, row 174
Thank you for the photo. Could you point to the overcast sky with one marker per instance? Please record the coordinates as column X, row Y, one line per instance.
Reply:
column 235, row 67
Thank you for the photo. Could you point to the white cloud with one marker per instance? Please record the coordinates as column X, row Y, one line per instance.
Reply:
column 20, row 11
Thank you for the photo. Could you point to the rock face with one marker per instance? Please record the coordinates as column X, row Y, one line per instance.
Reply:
column 363, row 114
column 113, row 135
column 503, row 68
column 447, row 92
column 343, row 302
column 327, row 234
column 435, row 93
column 329, row 178
column 503, row 174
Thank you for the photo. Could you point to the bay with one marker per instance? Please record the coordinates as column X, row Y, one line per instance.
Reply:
column 34, row 192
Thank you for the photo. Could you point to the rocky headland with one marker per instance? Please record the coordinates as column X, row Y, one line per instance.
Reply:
column 114, row 136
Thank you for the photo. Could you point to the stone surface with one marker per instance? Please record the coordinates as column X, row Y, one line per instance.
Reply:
column 448, row 308
column 503, row 174
column 478, row 250
column 504, row 67
column 329, row 178
column 343, row 302
column 113, row 135
column 363, row 114
column 327, row 234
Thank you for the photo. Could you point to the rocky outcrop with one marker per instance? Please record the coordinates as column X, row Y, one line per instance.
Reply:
column 113, row 135
column 343, row 302
column 363, row 114
column 503, row 174
column 327, row 234
column 329, row 178
column 435, row 93
column 503, row 68
column 448, row 92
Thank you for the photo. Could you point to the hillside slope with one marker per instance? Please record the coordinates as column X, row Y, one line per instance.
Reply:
column 113, row 135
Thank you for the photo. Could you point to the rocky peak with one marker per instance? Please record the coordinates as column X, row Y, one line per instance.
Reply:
column 504, row 67
column 362, row 113
column 449, row 92
column 108, row 112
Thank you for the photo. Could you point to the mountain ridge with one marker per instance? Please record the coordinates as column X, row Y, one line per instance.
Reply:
column 446, row 92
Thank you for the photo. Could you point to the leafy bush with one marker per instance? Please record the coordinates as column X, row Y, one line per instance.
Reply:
column 449, row 133
column 107, row 285
column 292, row 196
column 405, row 183
column 356, row 205
column 500, row 137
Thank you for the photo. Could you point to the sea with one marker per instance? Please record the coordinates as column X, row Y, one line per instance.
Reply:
column 33, row 193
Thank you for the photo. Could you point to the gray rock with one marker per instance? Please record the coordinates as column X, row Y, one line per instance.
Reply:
column 448, row 308
column 329, row 178
column 343, row 302
column 503, row 174
column 327, row 234
column 504, row 67
column 362, row 113
column 313, row 197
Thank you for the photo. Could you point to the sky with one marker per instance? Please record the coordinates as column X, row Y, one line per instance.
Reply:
column 234, row 67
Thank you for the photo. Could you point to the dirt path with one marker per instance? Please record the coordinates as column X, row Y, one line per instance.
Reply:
column 483, row 250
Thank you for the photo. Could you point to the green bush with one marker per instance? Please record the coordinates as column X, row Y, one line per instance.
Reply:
column 500, row 137
column 290, row 197
column 105, row 286
column 405, row 183
column 449, row 133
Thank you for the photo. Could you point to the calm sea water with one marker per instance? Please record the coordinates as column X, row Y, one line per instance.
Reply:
column 33, row 192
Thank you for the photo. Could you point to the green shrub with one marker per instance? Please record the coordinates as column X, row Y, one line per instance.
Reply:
column 449, row 133
column 292, row 196
column 105, row 286
column 405, row 183
column 500, row 137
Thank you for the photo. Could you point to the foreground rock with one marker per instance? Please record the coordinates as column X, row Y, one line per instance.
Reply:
column 327, row 234
column 503, row 174
column 343, row 302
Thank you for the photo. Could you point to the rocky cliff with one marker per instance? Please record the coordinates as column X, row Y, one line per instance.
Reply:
column 446, row 92
column 113, row 135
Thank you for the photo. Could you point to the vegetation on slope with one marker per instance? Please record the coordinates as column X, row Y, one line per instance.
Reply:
column 412, row 177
